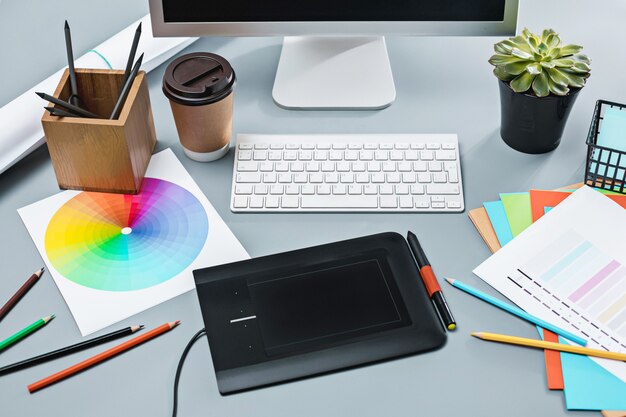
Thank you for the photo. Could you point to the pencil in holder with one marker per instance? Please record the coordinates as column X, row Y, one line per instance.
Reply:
column 102, row 154
column 606, row 165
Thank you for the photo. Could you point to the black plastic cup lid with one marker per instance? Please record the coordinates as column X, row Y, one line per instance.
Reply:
column 198, row 78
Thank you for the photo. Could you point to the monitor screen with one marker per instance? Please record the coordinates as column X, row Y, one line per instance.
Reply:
column 332, row 10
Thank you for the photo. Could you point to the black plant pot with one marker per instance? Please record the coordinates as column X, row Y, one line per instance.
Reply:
column 533, row 124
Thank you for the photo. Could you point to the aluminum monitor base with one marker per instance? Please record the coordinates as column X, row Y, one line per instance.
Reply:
column 331, row 73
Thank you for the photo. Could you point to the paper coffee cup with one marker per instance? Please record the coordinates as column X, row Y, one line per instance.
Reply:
column 199, row 87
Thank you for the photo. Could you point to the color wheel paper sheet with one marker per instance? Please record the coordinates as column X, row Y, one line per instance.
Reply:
column 568, row 268
column 115, row 255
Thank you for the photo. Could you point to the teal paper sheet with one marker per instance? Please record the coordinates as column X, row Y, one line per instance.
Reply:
column 497, row 217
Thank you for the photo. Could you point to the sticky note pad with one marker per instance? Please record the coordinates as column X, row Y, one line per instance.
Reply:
column 518, row 211
column 497, row 217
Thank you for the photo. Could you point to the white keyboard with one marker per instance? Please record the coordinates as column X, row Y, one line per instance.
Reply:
column 347, row 172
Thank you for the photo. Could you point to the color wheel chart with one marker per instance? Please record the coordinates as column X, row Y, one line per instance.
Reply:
column 581, row 285
column 116, row 242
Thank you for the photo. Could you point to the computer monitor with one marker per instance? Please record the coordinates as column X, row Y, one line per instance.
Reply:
column 334, row 55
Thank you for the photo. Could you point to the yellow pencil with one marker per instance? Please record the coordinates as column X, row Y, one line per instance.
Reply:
column 540, row 344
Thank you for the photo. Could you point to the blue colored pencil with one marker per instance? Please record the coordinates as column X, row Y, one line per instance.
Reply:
column 516, row 311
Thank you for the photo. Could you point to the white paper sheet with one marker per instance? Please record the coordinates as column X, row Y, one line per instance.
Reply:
column 94, row 309
column 20, row 119
column 569, row 268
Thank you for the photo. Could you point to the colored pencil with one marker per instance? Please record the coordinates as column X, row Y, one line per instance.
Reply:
column 68, row 350
column 25, row 332
column 131, row 55
column 70, row 64
column 54, row 111
column 540, row 344
column 20, row 293
column 515, row 311
column 107, row 354
column 67, row 106
column 125, row 89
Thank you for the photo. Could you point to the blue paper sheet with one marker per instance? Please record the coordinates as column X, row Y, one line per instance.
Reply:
column 499, row 221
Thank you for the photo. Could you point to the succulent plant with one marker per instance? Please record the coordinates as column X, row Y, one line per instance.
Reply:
column 540, row 64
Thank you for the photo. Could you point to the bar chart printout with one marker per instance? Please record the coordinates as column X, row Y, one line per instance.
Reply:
column 580, row 286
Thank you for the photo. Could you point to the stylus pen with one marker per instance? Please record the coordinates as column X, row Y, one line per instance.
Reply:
column 430, row 280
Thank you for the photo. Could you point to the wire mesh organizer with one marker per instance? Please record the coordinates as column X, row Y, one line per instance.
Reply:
column 606, row 166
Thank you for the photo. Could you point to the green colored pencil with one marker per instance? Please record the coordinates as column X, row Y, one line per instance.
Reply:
column 25, row 332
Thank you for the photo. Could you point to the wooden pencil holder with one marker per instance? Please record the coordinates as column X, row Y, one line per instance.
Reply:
column 101, row 154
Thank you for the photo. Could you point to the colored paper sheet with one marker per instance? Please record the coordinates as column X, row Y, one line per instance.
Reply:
column 612, row 135
column 540, row 199
column 497, row 216
column 588, row 386
column 554, row 372
column 517, row 208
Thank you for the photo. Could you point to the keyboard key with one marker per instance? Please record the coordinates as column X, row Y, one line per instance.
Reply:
column 439, row 177
column 244, row 155
column 437, row 199
column 417, row 146
column 409, row 177
column 432, row 145
column 404, row 166
column 411, row 155
column 454, row 204
column 373, row 166
column 385, row 189
column 276, row 146
column 355, row 189
column 402, row 189
column 260, row 146
column 385, row 145
column 284, row 177
column 438, row 205
column 393, row 177
column 247, row 166
column 300, row 177
column 245, row 146
column 366, row 155
column 292, row 189
column 248, row 177
column 339, row 146
column 362, row 177
column 331, row 178
column 266, row 166
column 389, row 166
column 335, row 156
column 281, row 166
column 292, row 146
column 406, row 201
column 240, row 201
column 259, row 155
column 359, row 166
column 276, row 189
column 308, row 146
column 381, row 155
column 396, row 155
column 445, row 155
column 343, row 166
column 453, row 175
column 296, row 166
column 339, row 189
column 342, row 201
column 320, row 155
column 289, row 201
column 420, row 166
column 312, row 166
column 261, row 189
column 243, row 188
column 370, row 146
column 388, row 201
column 323, row 146
column 443, row 189
column 347, row 177
column 435, row 166
column 271, row 201
column 378, row 178
column 417, row 189
column 427, row 155
column 328, row 166
column 290, row 155
column 370, row 189
column 423, row 177
column 316, row 178
column 355, row 146
column 256, row 201
column 402, row 146
column 308, row 189
column 274, row 155
column 421, row 202
column 270, row 177
column 305, row 155
column 323, row 189
column 448, row 146
column 351, row 156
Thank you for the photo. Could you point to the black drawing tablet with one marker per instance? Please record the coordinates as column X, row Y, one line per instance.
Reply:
column 310, row 311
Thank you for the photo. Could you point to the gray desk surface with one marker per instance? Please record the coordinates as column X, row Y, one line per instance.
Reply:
column 444, row 85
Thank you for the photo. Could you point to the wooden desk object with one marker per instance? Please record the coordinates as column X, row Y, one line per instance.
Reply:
column 101, row 154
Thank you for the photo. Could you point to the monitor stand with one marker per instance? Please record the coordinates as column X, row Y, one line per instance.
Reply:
column 334, row 73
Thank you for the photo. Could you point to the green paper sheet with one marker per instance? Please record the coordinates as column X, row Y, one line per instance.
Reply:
column 518, row 211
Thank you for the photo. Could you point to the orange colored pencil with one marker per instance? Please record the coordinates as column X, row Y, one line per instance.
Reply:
column 94, row 360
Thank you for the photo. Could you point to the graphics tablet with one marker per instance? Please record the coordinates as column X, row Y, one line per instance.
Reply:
column 306, row 312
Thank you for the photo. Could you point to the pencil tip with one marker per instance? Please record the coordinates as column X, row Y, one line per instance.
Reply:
column 141, row 326
column 139, row 27
column 174, row 323
column 39, row 94
column 67, row 26
column 477, row 334
column 450, row 280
